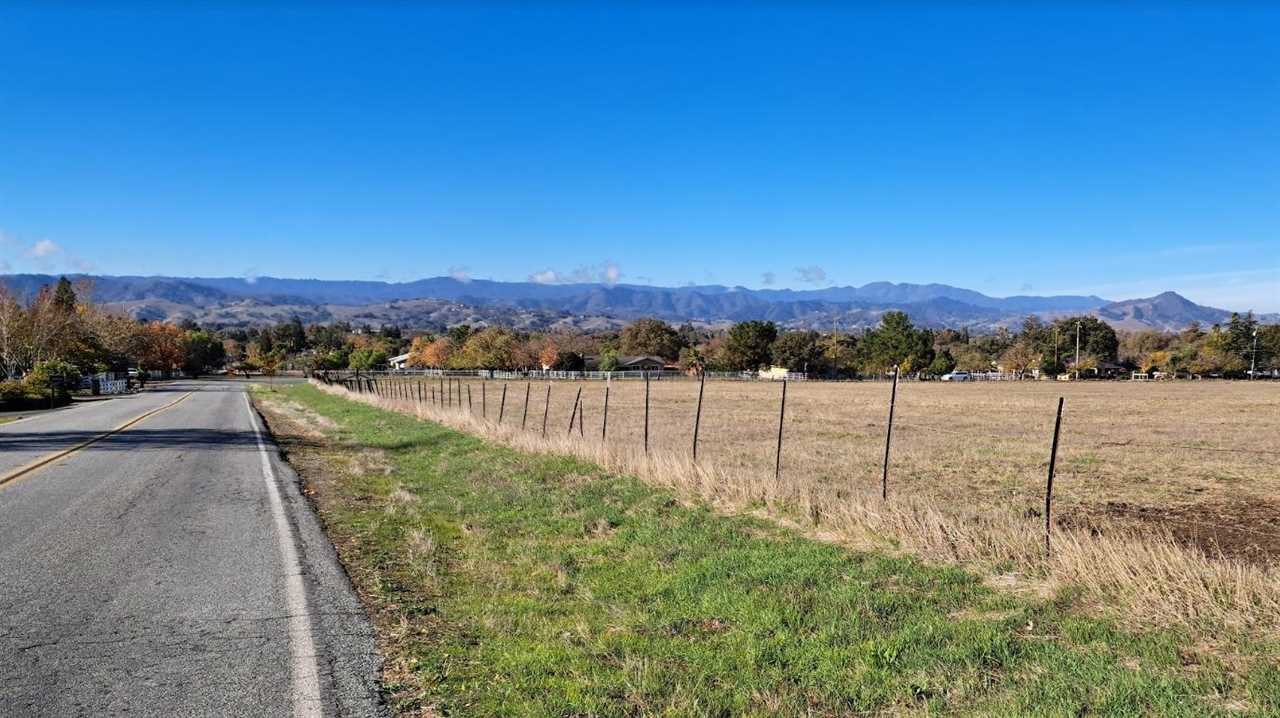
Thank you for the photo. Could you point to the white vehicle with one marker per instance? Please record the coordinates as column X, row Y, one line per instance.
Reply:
column 956, row 376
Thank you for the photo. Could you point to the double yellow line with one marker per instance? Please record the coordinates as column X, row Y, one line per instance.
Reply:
column 46, row 460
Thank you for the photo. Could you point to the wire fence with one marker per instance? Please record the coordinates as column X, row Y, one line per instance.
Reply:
column 982, row 449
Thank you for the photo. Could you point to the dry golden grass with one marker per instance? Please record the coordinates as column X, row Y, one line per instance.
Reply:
column 966, row 478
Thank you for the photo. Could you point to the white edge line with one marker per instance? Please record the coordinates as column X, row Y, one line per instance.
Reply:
column 302, row 654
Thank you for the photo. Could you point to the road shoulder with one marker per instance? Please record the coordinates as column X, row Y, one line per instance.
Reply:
column 348, row 661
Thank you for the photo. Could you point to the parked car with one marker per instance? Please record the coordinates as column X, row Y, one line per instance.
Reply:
column 956, row 376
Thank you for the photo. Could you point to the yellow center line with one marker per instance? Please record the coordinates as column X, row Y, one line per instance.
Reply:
column 49, row 459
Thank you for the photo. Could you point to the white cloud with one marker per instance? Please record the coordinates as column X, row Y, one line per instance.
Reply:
column 607, row 272
column 813, row 274
column 462, row 274
column 42, row 249
column 44, row 255
column 768, row 278
column 611, row 273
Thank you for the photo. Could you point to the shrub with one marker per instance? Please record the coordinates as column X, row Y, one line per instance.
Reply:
column 58, row 374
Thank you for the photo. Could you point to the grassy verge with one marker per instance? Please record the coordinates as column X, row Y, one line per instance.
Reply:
column 514, row 584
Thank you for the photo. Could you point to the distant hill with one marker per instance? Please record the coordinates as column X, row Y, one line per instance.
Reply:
column 1169, row 311
column 443, row 301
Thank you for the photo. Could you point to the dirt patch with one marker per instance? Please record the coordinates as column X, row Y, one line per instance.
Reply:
column 1245, row 530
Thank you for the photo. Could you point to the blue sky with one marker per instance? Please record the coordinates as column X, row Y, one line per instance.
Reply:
column 1007, row 147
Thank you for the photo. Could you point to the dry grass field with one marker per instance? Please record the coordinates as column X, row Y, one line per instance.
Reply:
column 1165, row 493
column 1187, row 454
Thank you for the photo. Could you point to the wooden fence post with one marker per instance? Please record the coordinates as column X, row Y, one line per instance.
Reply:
column 525, row 417
column 469, row 398
column 888, row 436
column 1048, row 491
column 782, row 415
column 697, row 417
column 502, row 406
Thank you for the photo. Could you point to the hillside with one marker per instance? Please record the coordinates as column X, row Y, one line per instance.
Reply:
column 444, row 301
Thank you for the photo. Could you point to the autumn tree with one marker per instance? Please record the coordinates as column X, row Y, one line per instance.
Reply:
column 490, row 348
column 547, row 357
column 1020, row 357
column 426, row 352
column 158, row 346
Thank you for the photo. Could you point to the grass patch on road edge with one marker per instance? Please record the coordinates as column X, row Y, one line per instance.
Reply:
column 514, row 584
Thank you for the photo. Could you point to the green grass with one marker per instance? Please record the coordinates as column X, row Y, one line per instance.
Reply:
column 509, row 584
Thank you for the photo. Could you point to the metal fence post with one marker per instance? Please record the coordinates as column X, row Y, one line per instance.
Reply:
column 604, row 426
column 545, row 409
column 574, row 413
column 525, row 416
column 697, row 417
column 1048, row 491
column 646, row 413
column 888, row 437
column 782, row 415
column 502, row 406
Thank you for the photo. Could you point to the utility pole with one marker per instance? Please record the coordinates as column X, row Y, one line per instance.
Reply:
column 1057, row 355
column 1077, row 366
column 1253, row 359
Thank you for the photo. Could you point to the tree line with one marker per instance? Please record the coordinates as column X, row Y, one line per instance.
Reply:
column 49, row 342
column 60, row 334
column 1037, row 346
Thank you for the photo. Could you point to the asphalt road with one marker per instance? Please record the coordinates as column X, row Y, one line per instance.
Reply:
column 170, row 569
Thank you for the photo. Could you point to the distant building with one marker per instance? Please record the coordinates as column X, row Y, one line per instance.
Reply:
column 1103, row 369
column 398, row 362
column 629, row 363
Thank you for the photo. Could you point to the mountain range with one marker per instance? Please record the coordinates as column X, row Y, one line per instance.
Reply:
column 443, row 301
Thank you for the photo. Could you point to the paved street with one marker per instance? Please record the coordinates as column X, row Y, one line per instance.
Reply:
column 170, row 569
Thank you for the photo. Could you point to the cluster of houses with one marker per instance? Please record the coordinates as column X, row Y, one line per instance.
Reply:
column 592, row 363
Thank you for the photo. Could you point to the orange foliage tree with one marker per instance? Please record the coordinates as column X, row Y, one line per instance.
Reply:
column 158, row 346
column 427, row 353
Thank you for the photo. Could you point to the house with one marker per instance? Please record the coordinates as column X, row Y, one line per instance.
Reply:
column 629, row 363
column 397, row 362
column 778, row 373
column 1103, row 370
